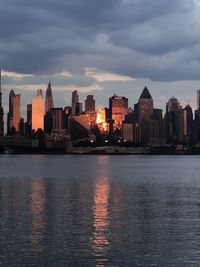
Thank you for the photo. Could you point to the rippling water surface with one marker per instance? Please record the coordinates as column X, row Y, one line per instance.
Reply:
column 99, row 210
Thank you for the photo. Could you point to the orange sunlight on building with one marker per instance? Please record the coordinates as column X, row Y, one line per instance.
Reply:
column 38, row 111
column 101, row 120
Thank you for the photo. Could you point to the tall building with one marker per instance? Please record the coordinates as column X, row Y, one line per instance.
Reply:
column 53, row 120
column 90, row 104
column 78, row 108
column 76, row 105
column 157, row 127
column 174, row 121
column 49, row 99
column 196, row 133
column 1, row 111
column 38, row 111
column 28, row 125
column 66, row 114
column 21, row 127
column 144, row 113
column 118, row 106
column 29, row 114
column 187, row 123
column 13, row 117
column 16, row 112
column 131, row 132
column 10, row 111
column 57, row 118
column 75, row 101
column 145, row 105
column 198, row 99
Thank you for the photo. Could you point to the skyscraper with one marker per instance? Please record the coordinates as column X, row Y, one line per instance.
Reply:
column 118, row 106
column 198, row 99
column 145, row 105
column 29, row 119
column 75, row 101
column 90, row 104
column 16, row 112
column 144, row 113
column 57, row 118
column 157, row 127
column 13, row 117
column 76, row 105
column 187, row 123
column 38, row 111
column 174, row 121
column 49, row 99
column 29, row 114
column 1, row 111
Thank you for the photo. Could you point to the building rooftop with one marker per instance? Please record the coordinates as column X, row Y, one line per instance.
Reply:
column 145, row 93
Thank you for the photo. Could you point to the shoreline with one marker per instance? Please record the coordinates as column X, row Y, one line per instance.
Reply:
column 102, row 150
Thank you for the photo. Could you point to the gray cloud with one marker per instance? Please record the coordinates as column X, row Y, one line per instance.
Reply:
column 154, row 39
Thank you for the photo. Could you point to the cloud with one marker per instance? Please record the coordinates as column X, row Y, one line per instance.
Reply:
column 14, row 75
column 64, row 73
column 103, row 76
column 154, row 39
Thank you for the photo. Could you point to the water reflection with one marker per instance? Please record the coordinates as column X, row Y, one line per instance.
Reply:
column 118, row 211
column 101, row 219
column 37, row 210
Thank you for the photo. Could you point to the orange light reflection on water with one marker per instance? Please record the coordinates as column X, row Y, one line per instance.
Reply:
column 37, row 208
column 101, row 219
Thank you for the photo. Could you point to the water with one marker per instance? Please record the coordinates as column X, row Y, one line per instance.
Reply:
column 99, row 210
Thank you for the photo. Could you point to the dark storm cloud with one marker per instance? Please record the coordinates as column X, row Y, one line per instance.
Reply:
column 155, row 39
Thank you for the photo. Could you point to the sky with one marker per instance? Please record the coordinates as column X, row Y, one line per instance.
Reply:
column 102, row 48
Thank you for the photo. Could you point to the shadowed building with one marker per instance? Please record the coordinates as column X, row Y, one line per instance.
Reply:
column 13, row 117
column 49, row 99
column 174, row 121
column 144, row 112
column 196, row 133
column 76, row 105
column 21, row 127
column 187, row 124
column 57, row 118
column 131, row 132
column 28, row 126
column 38, row 111
column 1, row 111
column 157, row 127
column 198, row 99
column 130, row 128
column 80, row 128
column 90, row 104
column 66, row 114
column 197, row 126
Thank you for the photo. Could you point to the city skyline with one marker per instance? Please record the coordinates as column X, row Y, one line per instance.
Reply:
column 143, row 123
column 64, row 96
column 49, row 94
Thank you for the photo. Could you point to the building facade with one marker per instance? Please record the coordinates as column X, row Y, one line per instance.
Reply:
column 144, row 112
column 38, row 111
column 14, row 115
column 90, row 104
column 49, row 99
column 174, row 121
column 118, row 107
column 1, row 111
